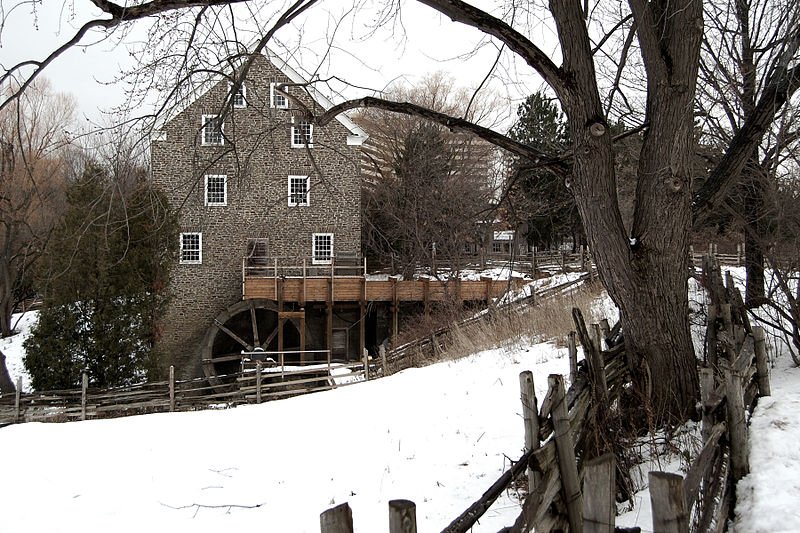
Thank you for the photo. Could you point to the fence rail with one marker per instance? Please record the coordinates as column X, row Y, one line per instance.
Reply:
column 256, row 383
column 568, row 494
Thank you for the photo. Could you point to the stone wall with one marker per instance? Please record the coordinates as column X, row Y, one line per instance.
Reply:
column 257, row 158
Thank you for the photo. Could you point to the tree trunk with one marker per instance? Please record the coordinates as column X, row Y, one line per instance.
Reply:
column 755, row 234
column 6, row 383
column 645, row 275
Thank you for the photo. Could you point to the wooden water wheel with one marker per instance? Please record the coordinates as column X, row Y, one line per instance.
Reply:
column 246, row 326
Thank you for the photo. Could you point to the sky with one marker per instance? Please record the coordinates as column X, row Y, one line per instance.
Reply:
column 417, row 42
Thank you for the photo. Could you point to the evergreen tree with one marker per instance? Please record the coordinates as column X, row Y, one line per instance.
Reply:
column 103, row 284
column 537, row 197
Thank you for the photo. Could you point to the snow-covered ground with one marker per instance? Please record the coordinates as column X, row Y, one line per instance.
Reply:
column 438, row 435
column 13, row 350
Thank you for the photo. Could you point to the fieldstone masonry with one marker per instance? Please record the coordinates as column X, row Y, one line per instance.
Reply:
column 257, row 157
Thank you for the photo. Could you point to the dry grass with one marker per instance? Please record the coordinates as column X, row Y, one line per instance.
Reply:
column 547, row 320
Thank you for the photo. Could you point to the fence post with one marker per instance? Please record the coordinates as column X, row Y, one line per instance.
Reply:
column 762, row 361
column 258, row 381
column 402, row 516
column 382, row 353
column 573, row 356
column 668, row 503
column 17, row 403
column 597, row 337
column 737, row 425
column 171, row 388
column 706, row 388
column 599, row 491
column 337, row 519
column 530, row 416
column 366, row 364
column 84, row 387
column 567, row 464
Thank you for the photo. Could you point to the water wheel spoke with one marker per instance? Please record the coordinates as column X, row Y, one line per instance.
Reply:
column 269, row 339
column 254, row 322
column 224, row 358
column 233, row 335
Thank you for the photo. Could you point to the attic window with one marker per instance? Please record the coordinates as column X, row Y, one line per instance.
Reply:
column 277, row 100
column 239, row 98
column 213, row 127
column 302, row 134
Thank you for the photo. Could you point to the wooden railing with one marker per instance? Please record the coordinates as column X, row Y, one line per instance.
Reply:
column 257, row 382
column 570, row 494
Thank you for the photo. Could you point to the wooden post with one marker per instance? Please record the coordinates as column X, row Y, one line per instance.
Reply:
column 605, row 329
column 365, row 356
column 530, row 416
column 706, row 388
column 573, row 356
column 302, row 320
column 599, row 491
column 402, row 516
column 84, row 387
column 567, row 464
column 670, row 514
column 762, row 361
column 258, row 381
column 597, row 338
column 727, row 319
column 711, row 336
column 281, row 323
column 737, row 425
column 17, row 402
column 362, row 313
column 329, row 326
column 583, row 260
column 382, row 353
column 739, row 254
column 337, row 519
column 171, row 388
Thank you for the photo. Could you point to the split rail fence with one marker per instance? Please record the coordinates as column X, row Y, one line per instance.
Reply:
column 570, row 488
column 256, row 383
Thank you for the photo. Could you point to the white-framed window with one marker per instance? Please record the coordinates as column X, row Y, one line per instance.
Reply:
column 302, row 134
column 276, row 99
column 239, row 98
column 321, row 248
column 191, row 248
column 213, row 127
column 216, row 189
column 298, row 190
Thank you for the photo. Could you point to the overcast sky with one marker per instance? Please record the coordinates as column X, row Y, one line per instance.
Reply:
column 419, row 42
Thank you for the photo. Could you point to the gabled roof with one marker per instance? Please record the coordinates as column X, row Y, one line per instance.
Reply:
column 357, row 134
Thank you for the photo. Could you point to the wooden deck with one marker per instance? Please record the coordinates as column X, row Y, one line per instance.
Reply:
column 361, row 288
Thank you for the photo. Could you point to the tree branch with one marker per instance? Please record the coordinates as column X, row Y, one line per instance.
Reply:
column 775, row 95
column 469, row 15
column 454, row 124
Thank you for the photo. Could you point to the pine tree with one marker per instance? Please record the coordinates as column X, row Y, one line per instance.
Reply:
column 103, row 284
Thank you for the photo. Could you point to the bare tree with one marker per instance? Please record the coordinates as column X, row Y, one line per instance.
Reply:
column 656, row 49
column 744, row 42
column 32, row 172
column 426, row 191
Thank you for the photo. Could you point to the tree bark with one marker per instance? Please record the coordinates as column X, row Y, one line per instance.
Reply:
column 6, row 383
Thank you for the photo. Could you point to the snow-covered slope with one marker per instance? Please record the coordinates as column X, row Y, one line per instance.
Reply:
column 437, row 435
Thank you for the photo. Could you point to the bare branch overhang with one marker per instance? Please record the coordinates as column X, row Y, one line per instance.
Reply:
column 536, row 157
column 746, row 140
column 120, row 14
column 469, row 15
